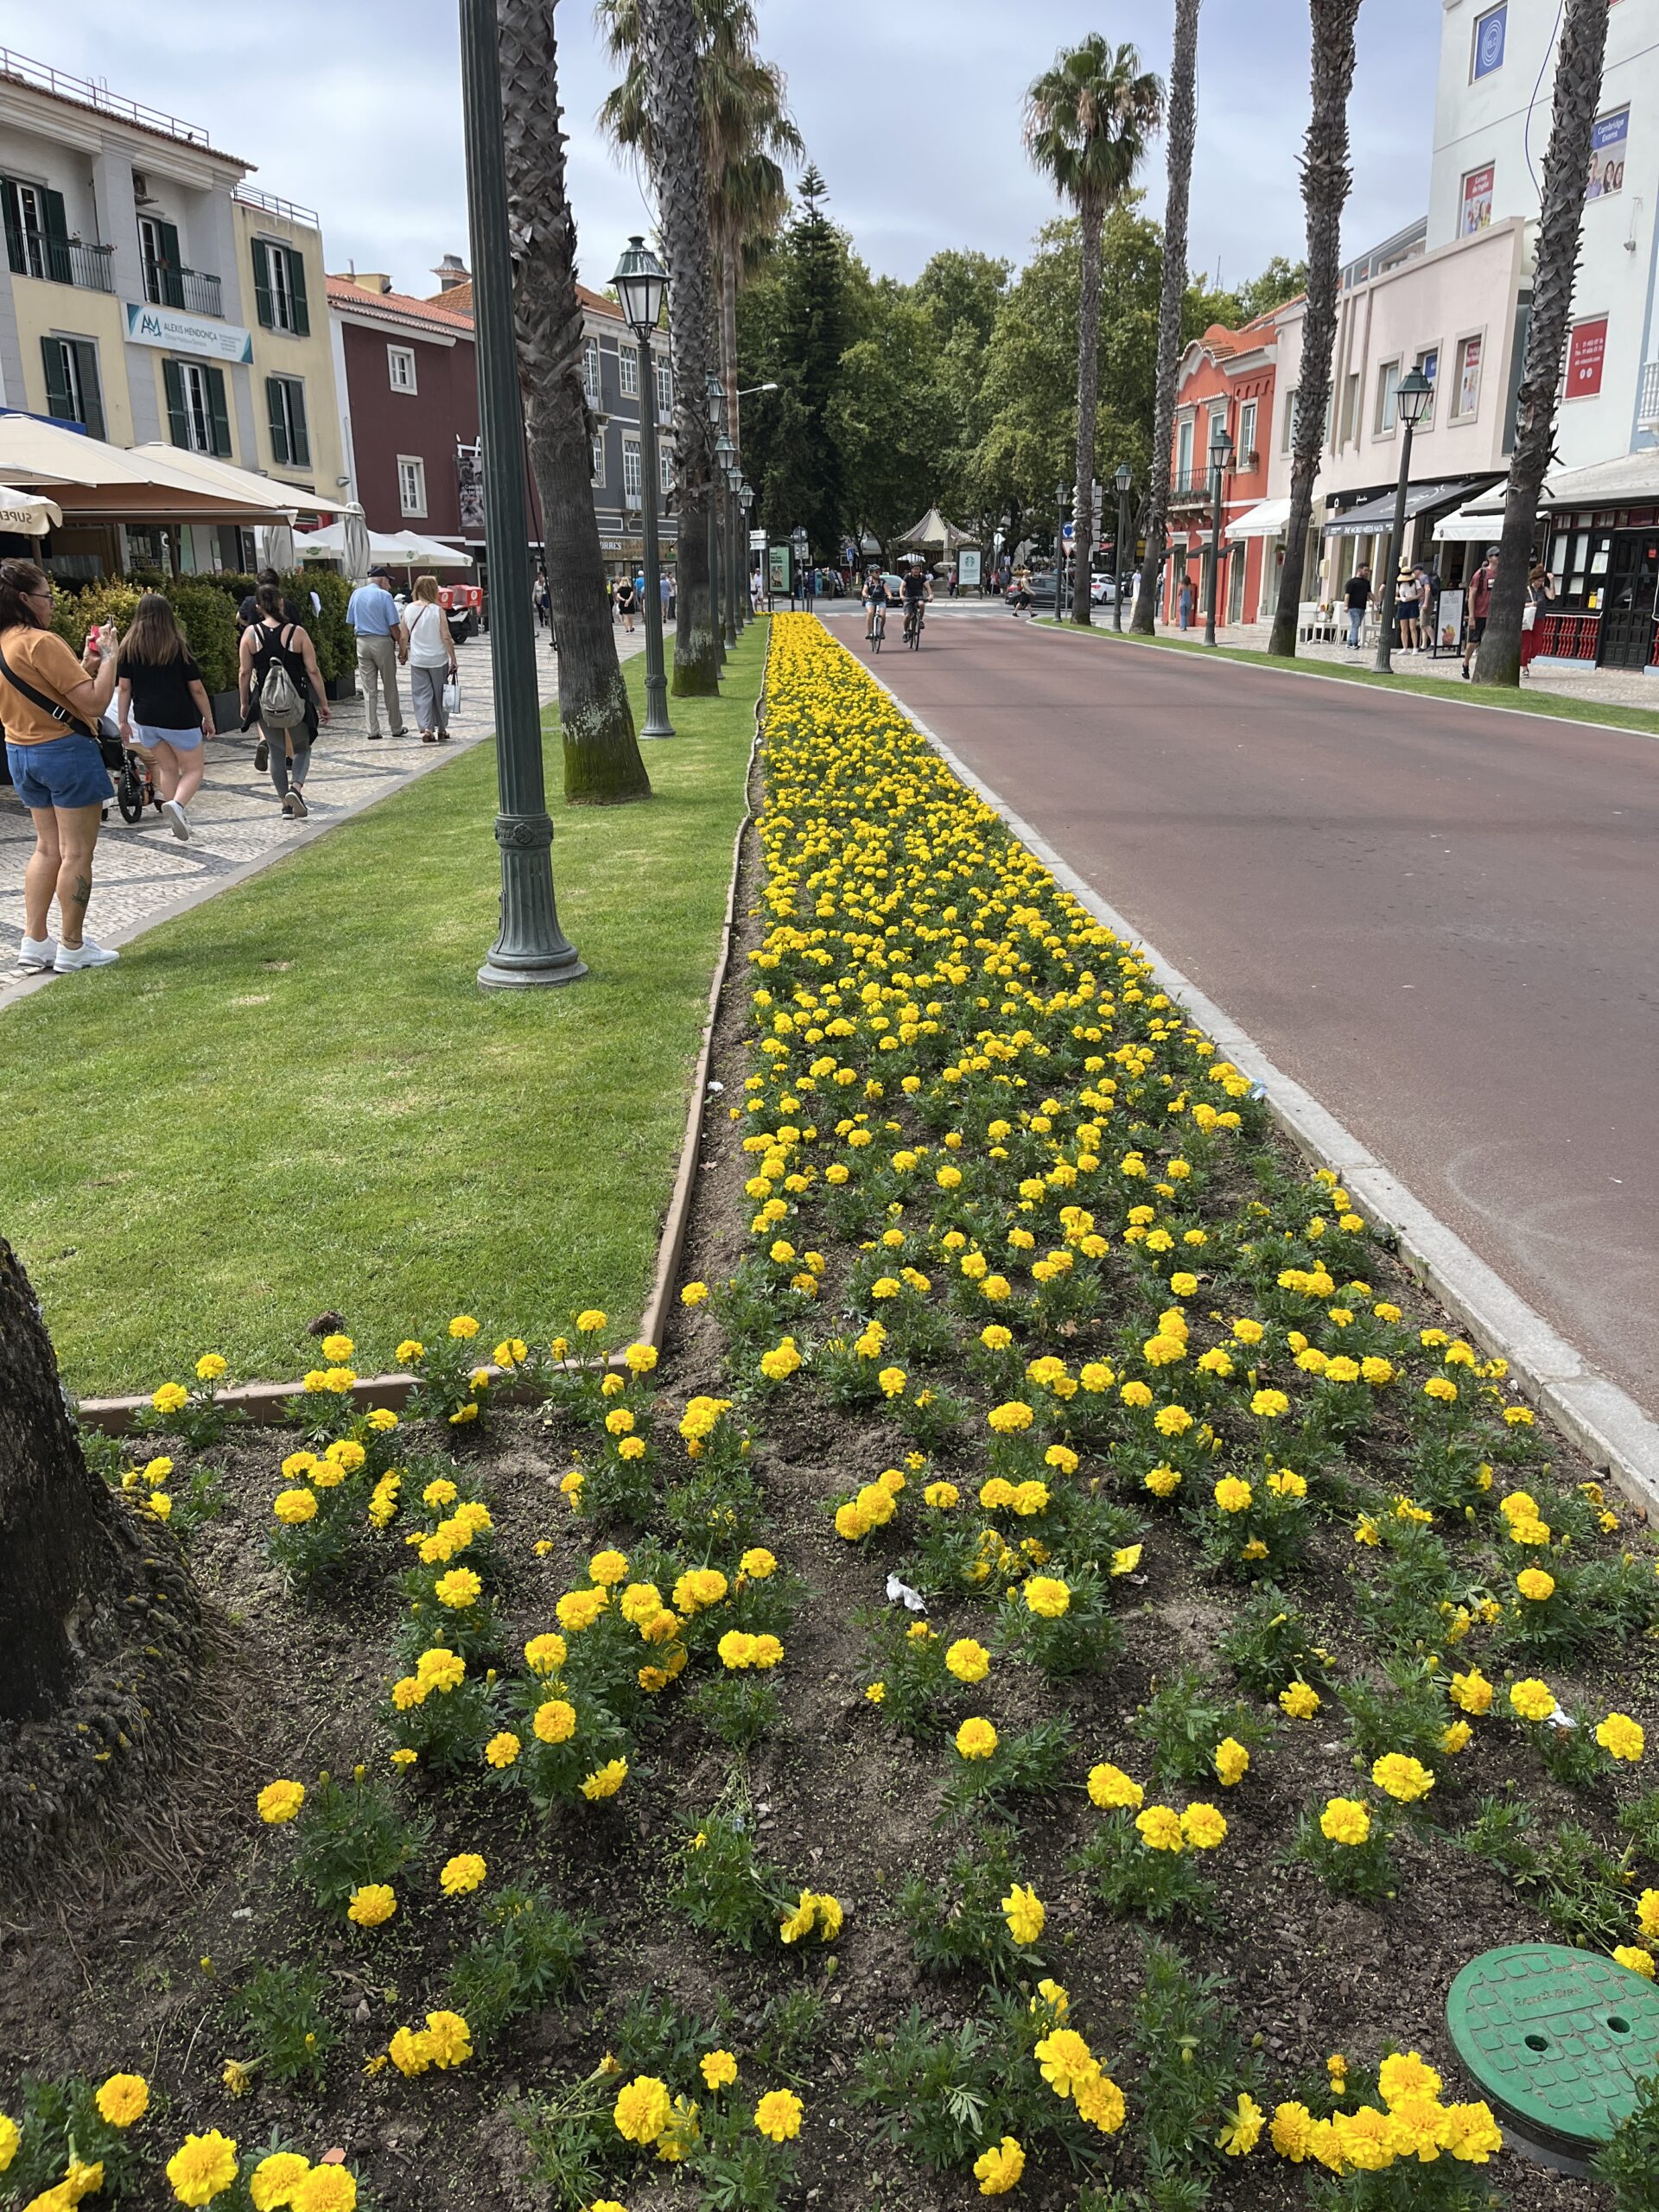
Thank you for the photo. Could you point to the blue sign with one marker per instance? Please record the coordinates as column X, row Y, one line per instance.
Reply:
column 1489, row 30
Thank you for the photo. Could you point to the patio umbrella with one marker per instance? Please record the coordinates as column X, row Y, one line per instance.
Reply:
column 29, row 513
column 354, row 543
column 279, row 546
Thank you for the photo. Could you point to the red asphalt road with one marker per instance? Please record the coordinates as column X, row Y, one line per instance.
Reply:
column 1442, row 922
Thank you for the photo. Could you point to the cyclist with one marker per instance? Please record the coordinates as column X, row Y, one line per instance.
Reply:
column 918, row 590
column 875, row 605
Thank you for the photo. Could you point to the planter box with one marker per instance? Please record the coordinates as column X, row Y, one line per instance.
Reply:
column 227, row 710
column 340, row 686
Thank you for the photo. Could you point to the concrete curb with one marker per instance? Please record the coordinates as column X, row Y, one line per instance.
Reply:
column 1604, row 1421
column 265, row 1401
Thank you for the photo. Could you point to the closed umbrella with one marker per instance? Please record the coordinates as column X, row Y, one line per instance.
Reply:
column 355, row 545
column 279, row 546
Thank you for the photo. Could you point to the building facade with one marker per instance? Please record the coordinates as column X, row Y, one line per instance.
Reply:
column 1227, row 380
column 142, row 301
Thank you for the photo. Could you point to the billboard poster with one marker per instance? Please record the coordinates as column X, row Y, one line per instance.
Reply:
column 1607, row 143
column 469, row 474
column 967, row 568
column 1469, row 377
column 778, row 568
column 1448, row 631
column 1476, row 200
column 1489, row 32
column 1585, row 352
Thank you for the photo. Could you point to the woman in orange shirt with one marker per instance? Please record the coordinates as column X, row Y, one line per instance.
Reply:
column 50, row 703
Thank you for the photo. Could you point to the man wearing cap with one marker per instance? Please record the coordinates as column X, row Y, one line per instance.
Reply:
column 382, row 642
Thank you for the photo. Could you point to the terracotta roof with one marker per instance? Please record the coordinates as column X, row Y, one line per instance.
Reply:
column 459, row 300
column 396, row 307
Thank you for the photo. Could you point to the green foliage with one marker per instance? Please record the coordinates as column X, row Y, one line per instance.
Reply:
column 1583, row 1889
column 1354, row 1870
column 291, row 2031
column 723, row 1888
column 1193, row 2064
column 1268, row 1646
column 957, row 1926
column 1184, row 1720
column 738, row 1709
column 1131, row 1877
column 939, row 2094
column 527, row 1955
column 59, row 2120
column 1025, row 1764
column 349, row 1834
column 1630, row 2164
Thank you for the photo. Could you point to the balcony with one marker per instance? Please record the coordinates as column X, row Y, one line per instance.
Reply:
column 60, row 261
column 189, row 289
column 1188, row 487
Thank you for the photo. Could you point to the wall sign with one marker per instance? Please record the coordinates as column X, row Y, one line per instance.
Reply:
column 1585, row 353
column 1476, row 200
column 1489, row 32
column 1607, row 143
column 968, row 566
column 185, row 334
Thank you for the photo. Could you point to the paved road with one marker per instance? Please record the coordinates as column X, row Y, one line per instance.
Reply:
column 1443, row 923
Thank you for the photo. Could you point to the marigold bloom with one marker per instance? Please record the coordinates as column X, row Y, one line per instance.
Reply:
column 1535, row 1584
column 124, row 2098
column 1203, row 1826
column 1532, row 1700
column 1233, row 1496
column 605, row 1781
column 372, row 1905
column 778, row 2116
column 457, row 1589
column 1024, row 1911
column 554, row 1721
column 1621, row 1738
column 462, row 1873
column 976, row 1739
column 1231, row 1762
column 1160, row 1828
column 273, row 2181
column 1635, row 1958
column 1047, row 1597
column 642, row 2109
column 1402, row 1777
column 1299, row 1699
column 998, row 2169
column 969, row 1661
column 1472, row 1691
column 280, row 1800
column 1111, row 1788
column 202, row 2167
column 1241, row 2129
column 719, row 2068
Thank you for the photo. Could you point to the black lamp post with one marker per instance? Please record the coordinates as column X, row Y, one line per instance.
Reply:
column 797, row 546
column 1123, row 480
column 733, row 597
column 715, row 392
column 1060, row 552
column 642, row 286
column 745, row 500
column 1413, row 398
column 725, row 456
column 1220, row 453
column 530, row 946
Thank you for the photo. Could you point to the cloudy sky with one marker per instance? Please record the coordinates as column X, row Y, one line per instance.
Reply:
column 909, row 108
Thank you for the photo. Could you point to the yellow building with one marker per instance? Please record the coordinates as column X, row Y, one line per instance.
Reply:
column 152, row 294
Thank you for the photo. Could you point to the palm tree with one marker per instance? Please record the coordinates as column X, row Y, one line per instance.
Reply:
column 601, row 756
column 1087, row 122
column 1566, row 169
column 1183, row 128
column 672, row 79
column 1325, row 180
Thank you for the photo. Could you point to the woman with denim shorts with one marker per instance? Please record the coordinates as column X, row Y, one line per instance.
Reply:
column 58, row 768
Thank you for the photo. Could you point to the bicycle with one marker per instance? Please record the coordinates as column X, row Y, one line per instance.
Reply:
column 878, row 627
column 913, row 627
column 135, row 787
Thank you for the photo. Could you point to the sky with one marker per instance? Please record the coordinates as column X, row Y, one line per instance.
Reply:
column 911, row 110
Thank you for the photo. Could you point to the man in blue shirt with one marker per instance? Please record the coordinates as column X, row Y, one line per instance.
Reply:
column 382, row 642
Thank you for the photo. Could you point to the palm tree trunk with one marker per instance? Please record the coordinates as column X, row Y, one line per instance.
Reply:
column 601, row 757
column 1326, row 181
column 1566, row 169
column 1093, row 215
column 1183, row 127
column 729, row 251
column 669, row 40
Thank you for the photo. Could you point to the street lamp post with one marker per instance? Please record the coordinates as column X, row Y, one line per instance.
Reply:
column 798, row 549
column 1221, row 452
column 1413, row 397
column 1060, row 552
column 715, row 394
column 641, row 286
column 725, row 456
column 733, row 597
column 745, row 500
column 1123, row 480
column 530, row 946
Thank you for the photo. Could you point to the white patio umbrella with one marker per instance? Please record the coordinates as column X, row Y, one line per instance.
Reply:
column 354, row 543
column 31, row 514
column 279, row 546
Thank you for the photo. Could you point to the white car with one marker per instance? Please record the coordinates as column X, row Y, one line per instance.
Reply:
column 1102, row 590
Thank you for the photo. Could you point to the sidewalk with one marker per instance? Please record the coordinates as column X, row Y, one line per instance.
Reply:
column 143, row 874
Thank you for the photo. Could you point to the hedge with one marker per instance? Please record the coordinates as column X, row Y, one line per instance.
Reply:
column 207, row 608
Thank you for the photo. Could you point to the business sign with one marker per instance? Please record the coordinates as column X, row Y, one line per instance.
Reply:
column 1489, row 30
column 469, row 474
column 1607, row 143
column 777, row 568
column 967, row 568
column 1448, row 631
column 1585, row 352
column 1476, row 200
column 187, row 333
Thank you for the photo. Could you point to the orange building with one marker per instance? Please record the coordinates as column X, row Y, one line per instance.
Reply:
column 1226, row 378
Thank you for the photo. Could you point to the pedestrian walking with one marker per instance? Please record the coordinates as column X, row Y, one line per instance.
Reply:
column 382, row 642
column 665, row 594
column 249, row 610
column 1540, row 592
column 1431, row 576
column 1186, row 599
column 627, row 603
column 278, row 681
column 50, row 703
column 538, row 600
column 431, row 659
column 1480, row 606
column 1407, row 607
column 164, row 712
column 1359, row 598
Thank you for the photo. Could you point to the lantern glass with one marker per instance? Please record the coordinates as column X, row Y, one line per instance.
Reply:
column 1413, row 397
column 641, row 284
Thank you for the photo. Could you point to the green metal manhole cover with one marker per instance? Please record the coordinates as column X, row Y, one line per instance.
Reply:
column 1559, row 2039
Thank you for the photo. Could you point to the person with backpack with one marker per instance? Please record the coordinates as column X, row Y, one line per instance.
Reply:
column 163, row 710
column 278, row 667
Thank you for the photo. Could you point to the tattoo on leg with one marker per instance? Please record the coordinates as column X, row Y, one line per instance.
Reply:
column 80, row 891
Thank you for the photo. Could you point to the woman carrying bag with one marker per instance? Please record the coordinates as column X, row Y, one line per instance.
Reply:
column 431, row 661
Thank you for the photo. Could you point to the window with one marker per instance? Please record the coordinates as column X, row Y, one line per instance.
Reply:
column 1476, row 200
column 665, row 391
column 591, row 371
column 290, row 444
column 400, row 368
column 1350, row 409
column 1607, row 143
column 1466, row 397
column 197, row 418
column 632, row 475
column 73, row 391
column 1246, row 431
column 1427, row 365
column 1388, row 383
column 37, row 234
column 665, row 469
column 1486, row 49
column 1288, row 433
column 279, row 288
column 158, row 251
column 599, row 460
column 628, row 360
column 411, row 484
column 1184, row 449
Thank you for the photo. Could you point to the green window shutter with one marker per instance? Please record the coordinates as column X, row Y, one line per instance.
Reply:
column 172, row 264
column 92, row 391
column 14, row 225
column 57, row 237
column 178, row 424
column 261, row 287
column 297, row 293
column 279, row 452
column 300, row 443
column 221, row 420
column 58, row 399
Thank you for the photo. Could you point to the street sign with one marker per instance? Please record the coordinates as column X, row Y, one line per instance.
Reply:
column 757, row 540
column 1069, row 533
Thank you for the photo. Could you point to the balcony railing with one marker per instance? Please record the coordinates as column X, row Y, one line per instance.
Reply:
column 61, row 261
column 1647, row 413
column 290, row 210
column 193, row 290
column 1190, row 483
column 84, row 93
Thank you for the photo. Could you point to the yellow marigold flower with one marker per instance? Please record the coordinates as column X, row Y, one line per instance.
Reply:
column 1162, row 1481
column 462, row 1873
column 1533, row 1583
column 554, row 1721
column 1299, row 1699
column 1442, row 1389
column 545, row 1654
column 1647, row 1912
column 202, row 2167
column 1269, row 1404
column 274, row 2180
column 463, row 1326
column 998, row 2169
column 457, row 1589
column 1248, row 1332
column 409, row 1351
column 1241, row 2128
column 410, row 2052
column 1472, row 1691
column 608, row 1568
column 969, row 1661
column 1161, row 1829
column 1047, row 1597
column 1377, row 1371
column 1633, row 1956
column 1024, row 1911
column 605, row 1781
column 371, row 1904
column 170, row 1398
column 642, row 2109
column 1010, row 1418
column 1292, row 2132
column 1111, row 1788
column 1406, row 2073
column 124, row 2098
column 1063, row 1457
column 1456, row 1738
column 781, row 1361
column 758, row 1563
column 1621, row 1738
column 1052, row 1994
column 1532, row 1700
column 778, row 2116
column 294, row 1507
column 462, row 1415
column 876, row 1692
column 1402, row 1777
column 211, row 1365
column 976, row 1739
column 694, row 1293
column 719, row 2068
column 280, row 1800
column 1065, row 2061
column 1233, row 1496
column 580, row 1609
column 1204, row 1827
column 441, row 1669
column 1231, row 1762
column 1345, row 1820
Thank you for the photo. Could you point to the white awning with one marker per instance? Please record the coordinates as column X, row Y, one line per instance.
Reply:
column 1266, row 520
column 220, row 476
column 404, row 549
column 1467, row 526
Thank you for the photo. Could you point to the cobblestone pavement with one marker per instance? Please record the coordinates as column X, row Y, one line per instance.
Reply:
column 142, row 874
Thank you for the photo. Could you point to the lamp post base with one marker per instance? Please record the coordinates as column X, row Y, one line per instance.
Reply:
column 543, row 975
column 530, row 948
column 657, row 723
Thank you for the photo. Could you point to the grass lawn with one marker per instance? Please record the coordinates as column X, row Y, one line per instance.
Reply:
column 1524, row 701
column 296, row 1099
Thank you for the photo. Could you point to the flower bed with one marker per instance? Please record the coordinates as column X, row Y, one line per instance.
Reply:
column 1038, row 1693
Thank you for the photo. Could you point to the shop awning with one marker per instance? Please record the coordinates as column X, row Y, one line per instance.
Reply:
column 28, row 514
column 219, row 476
column 92, row 481
column 1266, row 520
column 404, row 549
column 1375, row 517
column 1470, row 525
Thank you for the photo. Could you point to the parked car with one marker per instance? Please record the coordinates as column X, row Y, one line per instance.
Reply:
column 1042, row 588
column 1102, row 590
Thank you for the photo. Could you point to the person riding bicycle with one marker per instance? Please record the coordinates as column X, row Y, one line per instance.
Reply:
column 875, row 597
column 918, row 590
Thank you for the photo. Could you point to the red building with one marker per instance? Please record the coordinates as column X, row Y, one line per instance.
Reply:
column 1226, row 378
column 412, row 387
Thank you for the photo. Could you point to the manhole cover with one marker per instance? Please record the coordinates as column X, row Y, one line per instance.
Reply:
column 1558, row 2039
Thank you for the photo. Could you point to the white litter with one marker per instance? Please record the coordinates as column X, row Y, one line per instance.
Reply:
column 913, row 1599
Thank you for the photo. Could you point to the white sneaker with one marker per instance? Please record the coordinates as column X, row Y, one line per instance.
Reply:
column 176, row 816
column 35, row 955
column 84, row 955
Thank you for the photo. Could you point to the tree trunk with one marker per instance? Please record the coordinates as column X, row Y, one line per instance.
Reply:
column 1183, row 126
column 1093, row 216
column 669, row 40
column 1566, row 169
column 96, row 1607
column 1326, row 181
column 602, row 764
column 729, row 254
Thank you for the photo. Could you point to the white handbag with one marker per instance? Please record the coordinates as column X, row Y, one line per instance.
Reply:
column 451, row 693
